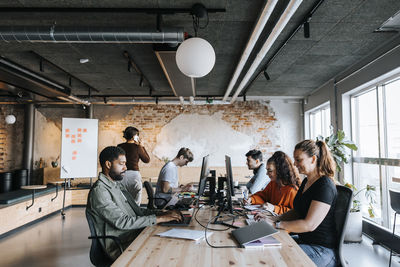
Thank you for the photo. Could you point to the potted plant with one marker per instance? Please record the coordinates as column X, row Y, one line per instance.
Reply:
column 353, row 231
column 337, row 144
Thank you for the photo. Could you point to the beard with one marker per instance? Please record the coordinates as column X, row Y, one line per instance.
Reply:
column 116, row 176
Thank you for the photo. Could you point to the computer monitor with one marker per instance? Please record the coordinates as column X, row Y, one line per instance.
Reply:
column 229, row 184
column 229, row 175
column 203, row 175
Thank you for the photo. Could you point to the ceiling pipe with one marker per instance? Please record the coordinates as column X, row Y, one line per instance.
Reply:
column 262, row 21
column 57, row 34
column 75, row 100
column 280, row 25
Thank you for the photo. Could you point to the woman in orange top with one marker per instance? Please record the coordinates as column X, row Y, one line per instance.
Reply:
column 279, row 194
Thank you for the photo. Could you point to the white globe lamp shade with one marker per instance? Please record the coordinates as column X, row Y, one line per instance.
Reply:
column 10, row 119
column 195, row 57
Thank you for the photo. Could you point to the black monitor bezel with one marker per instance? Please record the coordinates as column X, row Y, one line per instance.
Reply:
column 203, row 175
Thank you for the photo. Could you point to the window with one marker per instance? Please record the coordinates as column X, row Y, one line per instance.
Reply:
column 319, row 122
column 376, row 131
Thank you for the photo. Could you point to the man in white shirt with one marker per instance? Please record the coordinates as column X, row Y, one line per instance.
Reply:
column 168, row 181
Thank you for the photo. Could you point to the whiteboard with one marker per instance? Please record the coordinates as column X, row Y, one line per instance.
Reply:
column 79, row 148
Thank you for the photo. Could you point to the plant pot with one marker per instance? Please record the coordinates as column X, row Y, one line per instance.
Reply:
column 353, row 231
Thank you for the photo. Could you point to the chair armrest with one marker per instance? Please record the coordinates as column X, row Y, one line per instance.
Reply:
column 114, row 238
column 164, row 203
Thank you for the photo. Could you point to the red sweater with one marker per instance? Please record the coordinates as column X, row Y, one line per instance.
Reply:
column 282, row 197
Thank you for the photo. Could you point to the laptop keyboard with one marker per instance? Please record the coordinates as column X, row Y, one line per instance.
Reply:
column 186, row 220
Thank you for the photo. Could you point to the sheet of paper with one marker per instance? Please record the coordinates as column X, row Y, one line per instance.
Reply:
column 252, row 207
column 184, row 234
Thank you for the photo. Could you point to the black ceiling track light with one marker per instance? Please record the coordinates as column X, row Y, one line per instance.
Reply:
column 306, row 28
column 266, row 75
column 304, row 23
column 43, row 61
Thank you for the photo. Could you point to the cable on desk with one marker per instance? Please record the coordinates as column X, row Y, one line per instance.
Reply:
column 205, row 232
column 204, row 226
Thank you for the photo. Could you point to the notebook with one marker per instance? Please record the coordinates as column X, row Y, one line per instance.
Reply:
column 253, row 232
column 264, row 242
column 184, row 234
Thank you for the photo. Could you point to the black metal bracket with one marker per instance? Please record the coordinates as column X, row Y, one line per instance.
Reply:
column 56, row 193
column 33, row 199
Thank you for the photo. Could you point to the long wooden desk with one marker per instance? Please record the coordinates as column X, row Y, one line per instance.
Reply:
column 151, row 250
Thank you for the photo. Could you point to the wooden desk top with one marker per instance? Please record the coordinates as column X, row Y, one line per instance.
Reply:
column 151, row 250
column 31, row 187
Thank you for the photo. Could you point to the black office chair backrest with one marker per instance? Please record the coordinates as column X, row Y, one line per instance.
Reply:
column 342, row 209
column 395, row 200
column 150, row 195
column 98, row 256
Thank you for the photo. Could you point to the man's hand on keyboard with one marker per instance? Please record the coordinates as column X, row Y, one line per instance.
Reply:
column 172, row 215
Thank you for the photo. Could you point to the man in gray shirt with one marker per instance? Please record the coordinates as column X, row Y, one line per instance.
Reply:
column 114, row 210
column 167, row 183
column 260, row 179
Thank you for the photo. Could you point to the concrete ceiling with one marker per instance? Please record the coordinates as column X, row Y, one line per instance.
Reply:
column 342, row 33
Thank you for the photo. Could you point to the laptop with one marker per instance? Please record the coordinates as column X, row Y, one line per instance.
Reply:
column 186, row 219
column 253, row 232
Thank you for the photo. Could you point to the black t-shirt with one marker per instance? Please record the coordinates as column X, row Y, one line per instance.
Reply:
column 323, row 190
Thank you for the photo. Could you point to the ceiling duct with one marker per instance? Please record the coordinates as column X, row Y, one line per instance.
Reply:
column 181, row 84
column 79, row 34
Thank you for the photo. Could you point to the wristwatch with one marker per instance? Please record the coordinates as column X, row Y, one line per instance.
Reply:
column 278, row 224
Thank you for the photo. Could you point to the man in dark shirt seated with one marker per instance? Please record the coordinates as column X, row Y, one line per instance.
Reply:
column 113, row 208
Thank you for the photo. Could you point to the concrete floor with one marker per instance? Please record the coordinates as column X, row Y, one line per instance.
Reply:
column 57, row 242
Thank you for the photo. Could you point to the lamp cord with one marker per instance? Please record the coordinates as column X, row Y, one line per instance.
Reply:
column 196, row 24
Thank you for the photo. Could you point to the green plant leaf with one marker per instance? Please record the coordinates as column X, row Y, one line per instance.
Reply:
column 351, row 146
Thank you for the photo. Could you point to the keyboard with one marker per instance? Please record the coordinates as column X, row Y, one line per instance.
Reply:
column 185, row 222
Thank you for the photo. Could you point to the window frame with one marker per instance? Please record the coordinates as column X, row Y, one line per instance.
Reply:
column 308, row 114
column 383, row 161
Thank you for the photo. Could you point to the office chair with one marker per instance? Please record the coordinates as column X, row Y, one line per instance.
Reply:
column 150, row 196
column 98, row 255
column 395, row 204
column 342, row 209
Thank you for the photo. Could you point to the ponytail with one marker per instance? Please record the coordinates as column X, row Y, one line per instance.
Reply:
column 325, row 163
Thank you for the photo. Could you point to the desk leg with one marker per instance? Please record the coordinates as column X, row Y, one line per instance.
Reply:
column 56, row 193
column 63, row 206
column 33, row 199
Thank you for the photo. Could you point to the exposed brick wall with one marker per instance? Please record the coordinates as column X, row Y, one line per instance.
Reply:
column 247, row 117
column 11, row 138
column 251, row 118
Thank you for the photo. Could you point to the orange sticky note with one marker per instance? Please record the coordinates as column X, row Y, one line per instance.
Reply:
column 84, row 130
column 73, row 136
column 74, row 158
column 67, row 130
column 67, row 136
column 79, row 135
column 79, row 140
column 74, row 152
column 73, row 141
column 79, row 129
